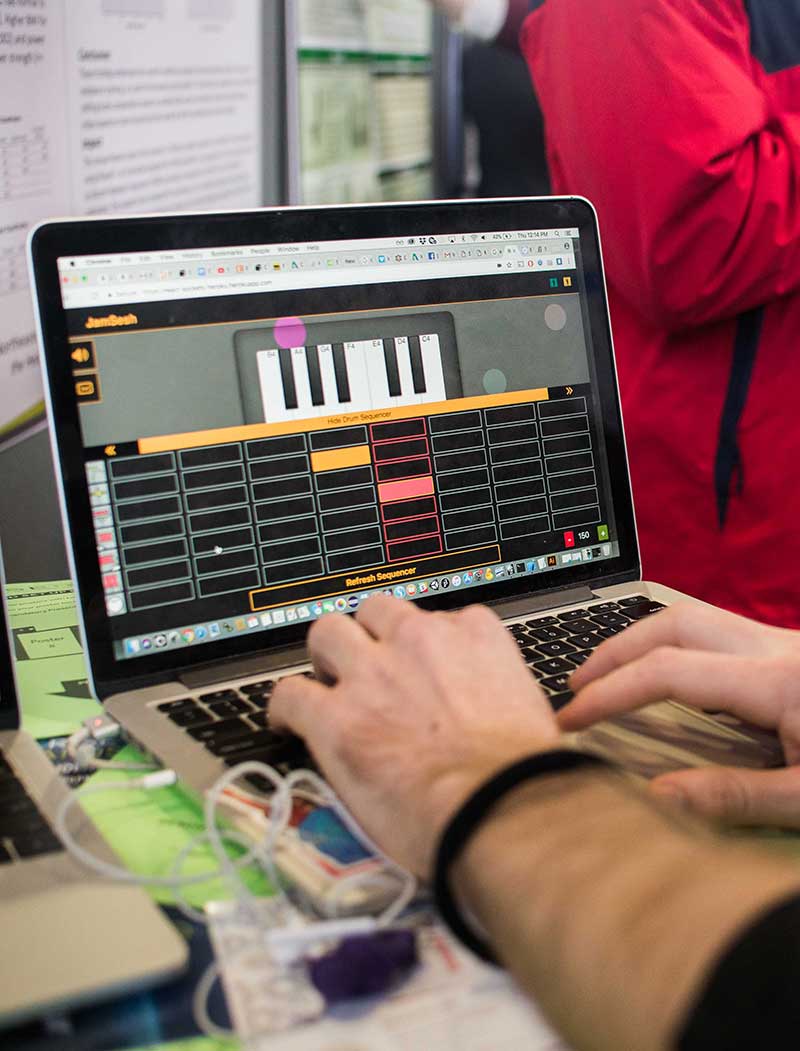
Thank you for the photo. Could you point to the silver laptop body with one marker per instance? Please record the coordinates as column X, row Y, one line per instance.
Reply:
column 261, row 418
column 69, row 937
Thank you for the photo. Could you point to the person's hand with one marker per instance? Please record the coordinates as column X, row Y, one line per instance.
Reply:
column 715, row 661
column 413, row 711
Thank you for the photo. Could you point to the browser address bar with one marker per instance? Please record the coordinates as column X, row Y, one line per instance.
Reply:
column 332, row 277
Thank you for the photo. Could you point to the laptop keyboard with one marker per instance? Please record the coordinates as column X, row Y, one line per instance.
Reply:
column 232, row 722
column 24, row 832
column 553, row 646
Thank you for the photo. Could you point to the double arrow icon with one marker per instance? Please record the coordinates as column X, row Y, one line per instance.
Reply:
column 569, row 390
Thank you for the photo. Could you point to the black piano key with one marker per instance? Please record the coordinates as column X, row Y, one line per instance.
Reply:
column 287, row 378
column 392, row 371
column 340, row 368
column 417, row 371
column 314, row 376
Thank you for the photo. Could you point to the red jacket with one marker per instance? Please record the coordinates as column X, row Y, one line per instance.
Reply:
column 680, row 121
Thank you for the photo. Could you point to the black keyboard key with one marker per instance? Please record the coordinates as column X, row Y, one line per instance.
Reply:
column 549, row 634
column 314, row 376
column 604, row 607
column 560, row 700
column 580, row 625
column 608, row 633
column 541, row 622
column 43, row 841
column 392, row 371
column 220, row 730
column 340, row 370
column 633, row 600
column 556, row 683
column 260, row 700
column 587, row 640
column 263, row 686
column 572, row 614
column 579, row 656
column 558, row 648
column 172, row 706
column 287, row 378
column 645, row 610
column 255, row 740
column 290, row 750
column 219, row 695
column 258, row 719
column 189, row 716
column 4, row 855
column 610, row 620
column 417, row 369
column 524, row 641
column 517, row 629
column 235, row 706
column 553, row 666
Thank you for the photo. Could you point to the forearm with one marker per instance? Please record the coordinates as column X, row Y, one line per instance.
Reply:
column 585, row 890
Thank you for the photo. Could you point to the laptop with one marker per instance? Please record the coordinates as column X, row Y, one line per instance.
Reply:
column 262, row 418
column 69, row 937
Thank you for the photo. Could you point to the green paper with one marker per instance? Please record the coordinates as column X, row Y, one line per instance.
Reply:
column 148, row 829
column 51, row 671
column 197, row 1043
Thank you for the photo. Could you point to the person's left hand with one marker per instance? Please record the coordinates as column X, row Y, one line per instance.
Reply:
column 412, row 712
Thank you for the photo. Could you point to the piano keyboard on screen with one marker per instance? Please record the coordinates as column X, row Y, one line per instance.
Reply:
column 356, row 376
column 348, row 364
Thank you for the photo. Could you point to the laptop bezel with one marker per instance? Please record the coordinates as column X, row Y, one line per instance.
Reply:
column 9, row 695
column 56, row 239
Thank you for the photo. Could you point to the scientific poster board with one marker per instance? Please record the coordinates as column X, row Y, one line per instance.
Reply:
column 363, row 100
column 115, row 106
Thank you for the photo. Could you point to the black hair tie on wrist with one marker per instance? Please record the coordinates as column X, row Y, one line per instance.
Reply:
column 469, row 816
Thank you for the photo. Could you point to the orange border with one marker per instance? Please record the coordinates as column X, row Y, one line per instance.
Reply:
column 381, row 567
column 246, row 432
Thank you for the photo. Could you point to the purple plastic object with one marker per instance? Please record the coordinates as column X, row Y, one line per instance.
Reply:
column 364, row 965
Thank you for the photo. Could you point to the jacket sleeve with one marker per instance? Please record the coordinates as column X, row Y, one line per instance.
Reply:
column 658, row 113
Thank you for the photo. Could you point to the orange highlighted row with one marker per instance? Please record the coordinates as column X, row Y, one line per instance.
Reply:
column 242, row 433
column 336, row 459
column 405, row 490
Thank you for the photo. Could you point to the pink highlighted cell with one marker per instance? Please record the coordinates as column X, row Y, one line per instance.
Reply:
column 405, row 490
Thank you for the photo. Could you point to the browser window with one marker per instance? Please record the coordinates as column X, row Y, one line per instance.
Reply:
column 274, row 432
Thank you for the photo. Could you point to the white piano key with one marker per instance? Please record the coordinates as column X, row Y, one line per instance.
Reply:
column 354, row 354
column 432, row 366
column 408, row 396
column 376, row 375
column 271, row 383
column 328, row 375
column 302, row 385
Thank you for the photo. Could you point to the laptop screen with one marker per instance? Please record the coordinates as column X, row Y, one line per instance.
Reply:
column 9, row 713
column 275, row 430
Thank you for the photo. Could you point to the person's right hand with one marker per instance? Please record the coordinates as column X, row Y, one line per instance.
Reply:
column 715, row 661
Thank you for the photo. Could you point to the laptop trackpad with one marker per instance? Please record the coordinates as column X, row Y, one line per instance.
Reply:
column 79, row 943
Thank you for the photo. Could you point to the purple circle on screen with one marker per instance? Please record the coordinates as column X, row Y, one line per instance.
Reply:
column 290, row 332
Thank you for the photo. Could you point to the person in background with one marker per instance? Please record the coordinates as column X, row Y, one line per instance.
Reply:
column 632, row 926
column 680, row 121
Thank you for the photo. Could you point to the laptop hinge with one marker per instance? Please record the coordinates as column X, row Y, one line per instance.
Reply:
column 516, row 607
column 240, row 668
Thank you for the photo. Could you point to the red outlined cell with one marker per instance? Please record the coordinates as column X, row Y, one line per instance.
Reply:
column 399, row 550
column 400, row 441
column 420, row 514
column 411, row 459
column 413, row 419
